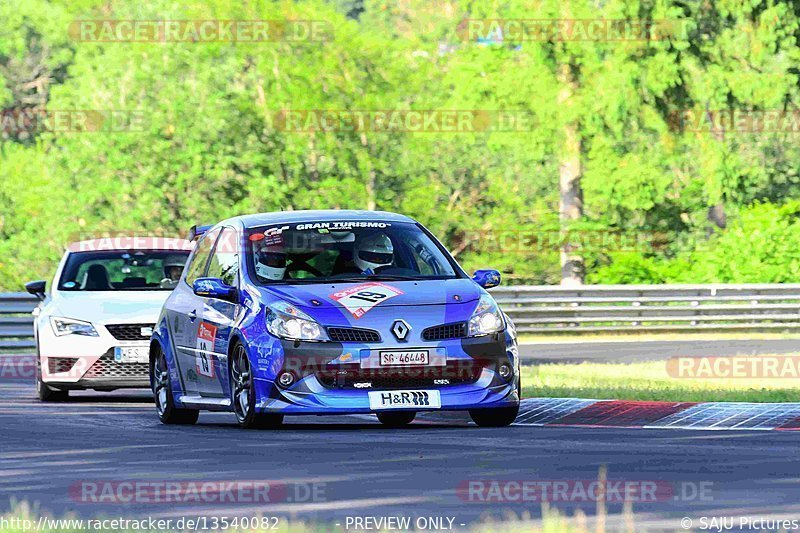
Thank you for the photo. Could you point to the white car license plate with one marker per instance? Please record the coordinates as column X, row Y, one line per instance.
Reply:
column 405, row 358
column 404, row 399
column 131, row 354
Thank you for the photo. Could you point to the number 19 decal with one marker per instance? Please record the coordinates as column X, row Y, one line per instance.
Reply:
column 361, row 298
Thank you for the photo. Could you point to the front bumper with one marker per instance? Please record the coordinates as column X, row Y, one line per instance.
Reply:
column 93, row 372
column 337, row 378
column 481, row 394
column 81, row 362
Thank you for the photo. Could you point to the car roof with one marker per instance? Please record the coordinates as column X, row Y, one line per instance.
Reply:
column 321, row 215
column 130, row 242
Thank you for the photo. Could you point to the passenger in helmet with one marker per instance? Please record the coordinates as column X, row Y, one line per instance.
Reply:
column 271, row 262
column 173, row 268
column 373, row 251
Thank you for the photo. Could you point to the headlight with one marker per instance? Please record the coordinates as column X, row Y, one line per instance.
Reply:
column 288, row 322
column 70, row 326
column 486, row 319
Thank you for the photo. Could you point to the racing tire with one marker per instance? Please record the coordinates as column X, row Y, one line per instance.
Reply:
column 495, row 417
column 45, row 392
column 168, row 412
column 243, row 394
column 396, row 420
column 498, row 417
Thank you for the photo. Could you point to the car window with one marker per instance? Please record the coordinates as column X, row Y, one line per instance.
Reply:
column 197, row 265
column 426, row 263
column 306, row 266
column 225, row 261
column 328, row 251
column 122, row 270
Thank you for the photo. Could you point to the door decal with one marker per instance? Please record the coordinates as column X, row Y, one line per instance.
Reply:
column 204, row 357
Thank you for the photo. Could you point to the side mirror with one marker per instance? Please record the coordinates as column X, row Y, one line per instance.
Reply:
column 214, row 288
column 36, row 288
column 486, row 278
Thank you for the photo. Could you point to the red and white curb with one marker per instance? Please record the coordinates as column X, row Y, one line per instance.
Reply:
column 658, row 415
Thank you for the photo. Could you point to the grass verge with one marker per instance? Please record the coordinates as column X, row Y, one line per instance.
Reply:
column 573, row 336
column 648, row 381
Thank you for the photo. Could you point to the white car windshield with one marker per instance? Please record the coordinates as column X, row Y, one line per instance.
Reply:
column 135, row 270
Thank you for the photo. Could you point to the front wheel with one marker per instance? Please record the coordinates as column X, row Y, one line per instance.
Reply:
column 243, row 394
column 168, row 412
column 396, row 420
column 43, row 390
column 495, row 417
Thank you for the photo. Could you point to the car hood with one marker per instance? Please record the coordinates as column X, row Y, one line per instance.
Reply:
column 396, row 293
column 110, row 307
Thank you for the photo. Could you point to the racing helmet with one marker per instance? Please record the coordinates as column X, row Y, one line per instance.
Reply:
column 271, row 262
column 173, row 261
column 372, row 251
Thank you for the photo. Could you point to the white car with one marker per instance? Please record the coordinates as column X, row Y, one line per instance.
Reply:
column 93, row 328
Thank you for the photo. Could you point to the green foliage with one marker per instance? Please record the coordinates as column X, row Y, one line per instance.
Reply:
column 762, row 245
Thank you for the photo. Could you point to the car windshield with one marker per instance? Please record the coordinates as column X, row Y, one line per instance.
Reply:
column 135, row 270
column 316, row 252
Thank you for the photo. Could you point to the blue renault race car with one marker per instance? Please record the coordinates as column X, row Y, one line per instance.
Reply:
column 331, row 312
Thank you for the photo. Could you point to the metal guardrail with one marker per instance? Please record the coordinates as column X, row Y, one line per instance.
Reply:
column 589, row 308
column 635, row 308
column 16, row 323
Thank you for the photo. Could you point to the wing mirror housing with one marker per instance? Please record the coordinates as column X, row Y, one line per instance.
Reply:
column 486, row 278
column 214, row 288
column 36, row 288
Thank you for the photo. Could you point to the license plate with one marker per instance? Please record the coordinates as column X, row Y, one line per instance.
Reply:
column 405, row 358
column 404, row 399
column 131, row 354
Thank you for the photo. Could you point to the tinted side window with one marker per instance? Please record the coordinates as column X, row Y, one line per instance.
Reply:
column 197, row 266
column 424, row 261
column 225, row 261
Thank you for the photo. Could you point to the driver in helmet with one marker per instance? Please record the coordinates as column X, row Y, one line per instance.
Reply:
column 373, row 251
column 271, row 262
column 173, row 268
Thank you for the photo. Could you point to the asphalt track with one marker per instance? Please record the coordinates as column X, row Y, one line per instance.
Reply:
column 364, row 470
column 630, row 352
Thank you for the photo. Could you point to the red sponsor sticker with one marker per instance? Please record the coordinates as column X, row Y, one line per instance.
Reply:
column 361, row 298
column 204, row 359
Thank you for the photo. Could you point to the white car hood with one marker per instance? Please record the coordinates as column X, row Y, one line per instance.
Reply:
column 110, row 307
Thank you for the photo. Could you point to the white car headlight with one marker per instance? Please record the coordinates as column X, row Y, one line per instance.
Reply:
column 70, row 326
column 486, row 319
column 288, row 322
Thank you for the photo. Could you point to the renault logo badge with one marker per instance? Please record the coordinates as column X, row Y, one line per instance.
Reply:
column 400, row 329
